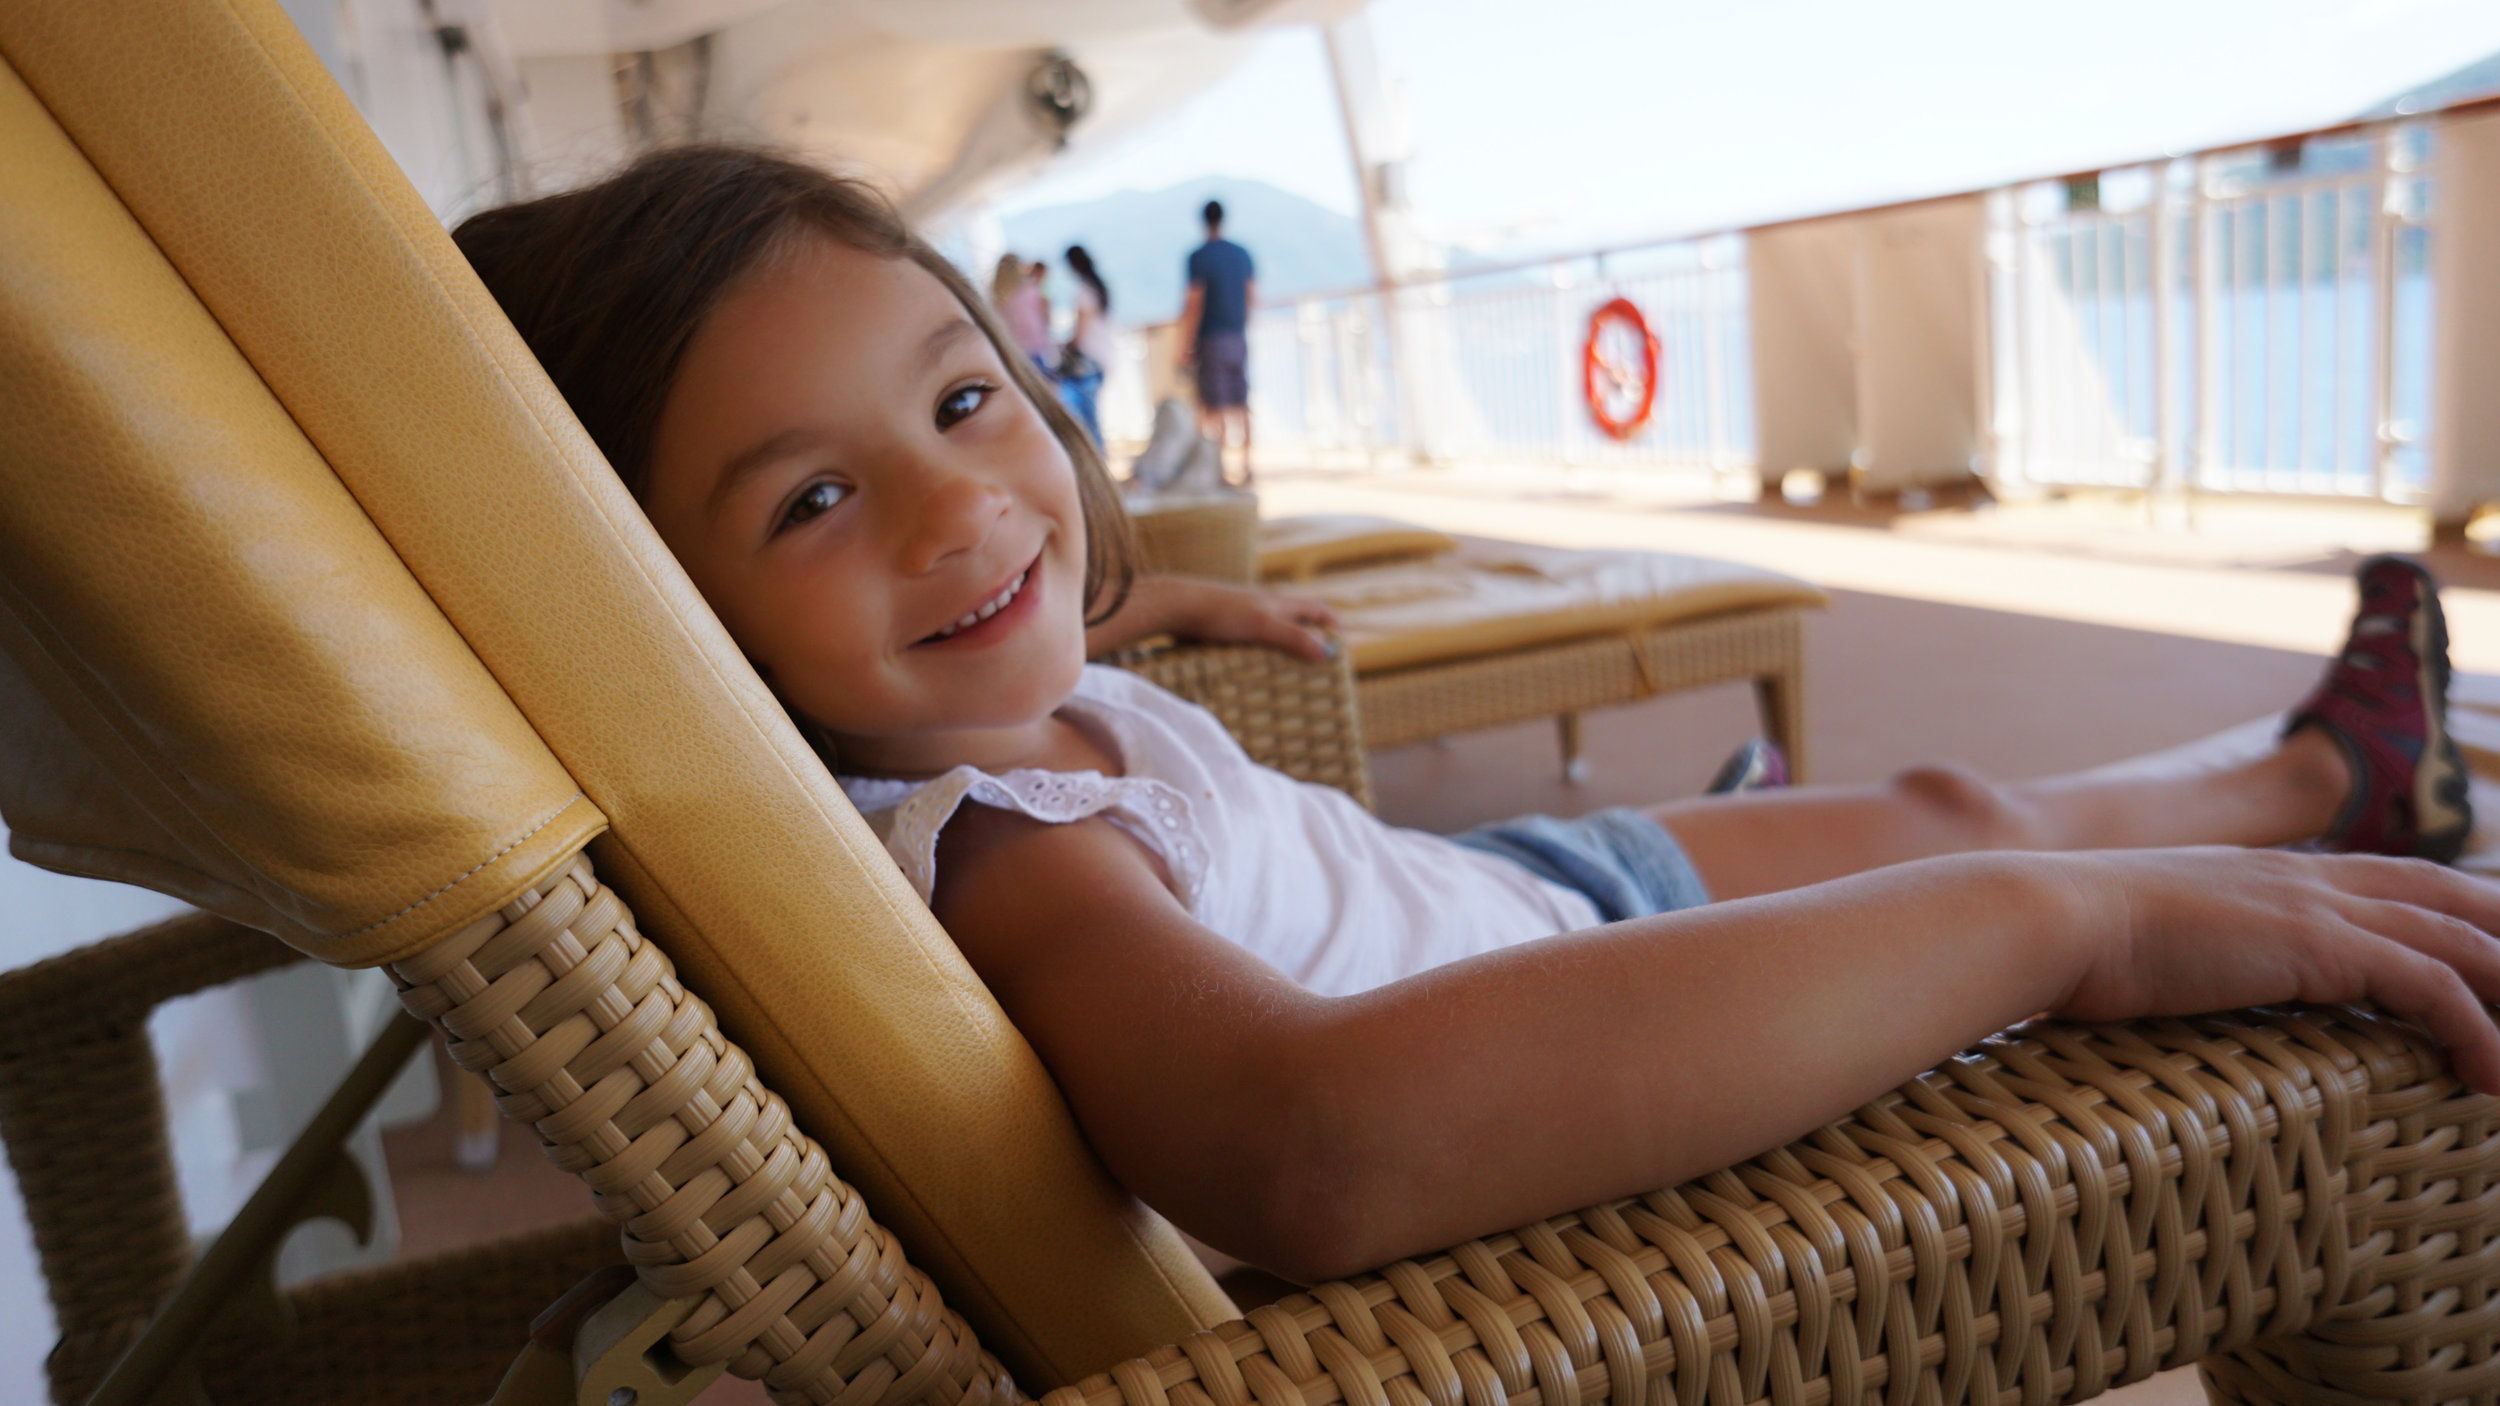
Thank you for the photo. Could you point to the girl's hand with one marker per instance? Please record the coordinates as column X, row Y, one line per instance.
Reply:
column 2212, row 929
column 1215, row 612
column 1218, row 613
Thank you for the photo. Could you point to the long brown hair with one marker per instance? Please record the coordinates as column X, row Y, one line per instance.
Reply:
column 609, row 283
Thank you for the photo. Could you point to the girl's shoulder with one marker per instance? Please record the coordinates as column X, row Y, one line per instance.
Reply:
column 1173, row 762
column 1156, row 819
column 912, row 818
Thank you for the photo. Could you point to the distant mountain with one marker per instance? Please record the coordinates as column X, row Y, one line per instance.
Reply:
column 1140, row 239
column 2475, row 80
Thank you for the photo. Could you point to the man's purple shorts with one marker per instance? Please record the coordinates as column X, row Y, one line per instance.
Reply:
column 1223, row 370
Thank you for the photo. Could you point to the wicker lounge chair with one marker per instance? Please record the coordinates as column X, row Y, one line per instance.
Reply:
column 317, row 609
column 1199, row 534
column 1450, row 634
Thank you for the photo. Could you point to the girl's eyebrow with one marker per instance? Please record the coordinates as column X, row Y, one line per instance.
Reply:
column 755, row 457
column 948, row 333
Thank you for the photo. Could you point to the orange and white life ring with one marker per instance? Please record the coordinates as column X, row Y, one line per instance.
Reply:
column 1620, row 367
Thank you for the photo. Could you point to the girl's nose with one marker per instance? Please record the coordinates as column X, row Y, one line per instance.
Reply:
column 956, row 514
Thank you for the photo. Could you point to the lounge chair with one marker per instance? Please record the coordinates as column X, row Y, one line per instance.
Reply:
column 1453, row 634
column 319, row 611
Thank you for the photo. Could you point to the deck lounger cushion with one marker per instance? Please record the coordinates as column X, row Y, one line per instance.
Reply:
column 1299, row 548
column 1485, row 597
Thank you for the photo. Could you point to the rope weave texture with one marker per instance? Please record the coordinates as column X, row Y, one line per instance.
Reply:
column 2303, row 1199
column 1287, row 713
column 84, row 1117
column 587, row 1035
column 1213, row 535
column 423, row 1332
column 1431, row 700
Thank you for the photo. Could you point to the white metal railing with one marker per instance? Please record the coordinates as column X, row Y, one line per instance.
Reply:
column 2248, row 320
column 2255, row 321
column 1489, row 365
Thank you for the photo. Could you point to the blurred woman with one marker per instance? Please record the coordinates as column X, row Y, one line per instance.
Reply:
column 1017, row 295
column 1088, row 352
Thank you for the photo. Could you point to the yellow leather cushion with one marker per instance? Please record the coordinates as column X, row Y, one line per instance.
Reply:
column 1487, row 597
column 1299, row 548
column 244, row 163
column 220, row 681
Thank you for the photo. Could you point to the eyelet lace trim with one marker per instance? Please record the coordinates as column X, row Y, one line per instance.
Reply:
column 1151, row 810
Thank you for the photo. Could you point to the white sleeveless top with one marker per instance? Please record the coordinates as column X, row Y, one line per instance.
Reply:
column 1296, row 873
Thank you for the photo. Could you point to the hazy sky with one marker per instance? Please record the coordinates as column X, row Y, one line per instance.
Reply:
column 1568, row 123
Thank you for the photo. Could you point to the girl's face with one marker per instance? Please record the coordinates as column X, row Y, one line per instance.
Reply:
column 886, row 525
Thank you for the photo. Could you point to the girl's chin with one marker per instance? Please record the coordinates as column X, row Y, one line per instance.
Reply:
column 1017, row 688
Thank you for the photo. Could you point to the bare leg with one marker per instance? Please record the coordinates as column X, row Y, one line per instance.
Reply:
column 1765, row 841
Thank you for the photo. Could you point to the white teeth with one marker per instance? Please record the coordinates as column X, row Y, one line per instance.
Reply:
column 992, row 608
column 988, row 608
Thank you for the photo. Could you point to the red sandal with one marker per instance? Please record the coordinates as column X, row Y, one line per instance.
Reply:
column 2385, row 702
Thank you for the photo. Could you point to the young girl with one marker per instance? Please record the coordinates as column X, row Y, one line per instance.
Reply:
column 1311, row 1039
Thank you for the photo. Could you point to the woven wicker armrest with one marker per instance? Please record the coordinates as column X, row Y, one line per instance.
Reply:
column 2301, row 1200
column 1209, row 534
column 1287, row 713
column 84, row 1119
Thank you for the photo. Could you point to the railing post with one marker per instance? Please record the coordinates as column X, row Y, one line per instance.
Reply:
column 1567, row 366
column 1713, row 370
column 2386, row 227
column 2164, row 471
column 2205, row 342
column 2026, row 318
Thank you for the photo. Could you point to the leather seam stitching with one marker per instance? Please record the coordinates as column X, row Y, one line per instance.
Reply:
column 549, row 819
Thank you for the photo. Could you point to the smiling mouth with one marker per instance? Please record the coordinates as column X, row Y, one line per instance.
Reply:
column 988, row 608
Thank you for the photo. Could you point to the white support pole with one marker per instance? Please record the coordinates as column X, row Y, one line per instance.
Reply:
column 2386, row 226
column 1568, row 431
column 2205, row 338
column 2163, row 473
column 1355, row 72
column 2014, row 422
column 1713, row 364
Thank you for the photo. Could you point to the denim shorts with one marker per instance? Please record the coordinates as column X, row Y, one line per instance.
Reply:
column 1626, row 863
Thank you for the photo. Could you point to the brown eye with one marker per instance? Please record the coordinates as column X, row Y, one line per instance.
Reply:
column 957, row 405
column 818, row 497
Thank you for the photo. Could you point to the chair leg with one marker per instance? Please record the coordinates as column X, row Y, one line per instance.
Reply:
column 1781, row 699
column 1575, row 767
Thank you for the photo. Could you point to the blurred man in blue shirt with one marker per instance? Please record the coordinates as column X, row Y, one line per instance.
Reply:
column 1215, row 333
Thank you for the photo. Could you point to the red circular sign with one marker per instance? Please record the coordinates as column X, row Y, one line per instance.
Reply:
column 1620, row 366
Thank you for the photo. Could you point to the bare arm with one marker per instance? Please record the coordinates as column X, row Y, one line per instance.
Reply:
column 1320, row 1136
column 1191, row 310
column 1217, row 612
